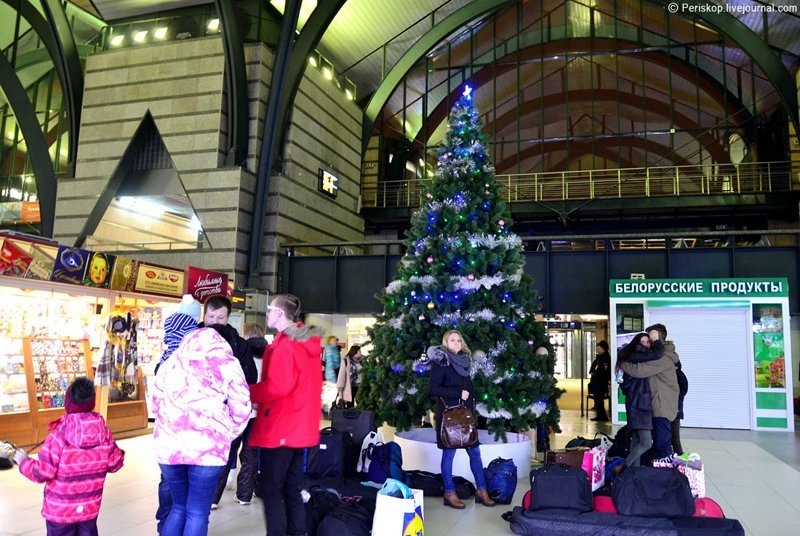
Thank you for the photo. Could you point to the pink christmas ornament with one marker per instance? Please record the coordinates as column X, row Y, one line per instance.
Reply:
column 501, row 223
column 422, row 317
column 471, row 277
column 430, row 260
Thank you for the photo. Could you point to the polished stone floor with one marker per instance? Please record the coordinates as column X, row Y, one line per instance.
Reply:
column 755, row 476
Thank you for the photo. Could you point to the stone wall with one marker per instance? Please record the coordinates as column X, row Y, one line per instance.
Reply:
column 182, row 85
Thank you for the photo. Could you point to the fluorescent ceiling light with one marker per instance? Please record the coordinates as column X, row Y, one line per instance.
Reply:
column 139, row 37
column 313, row 61
column 160, row 33
column 348, row 94
column 213, row 25
column 117, row 40
column 327, row 73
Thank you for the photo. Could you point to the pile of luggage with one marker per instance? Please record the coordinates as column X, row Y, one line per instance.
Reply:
column 574, row 494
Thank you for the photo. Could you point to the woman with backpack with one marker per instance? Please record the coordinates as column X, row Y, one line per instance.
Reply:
column 451, row 384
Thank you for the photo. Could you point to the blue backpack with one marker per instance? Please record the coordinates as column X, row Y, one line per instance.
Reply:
column 501, row 480
column 386, row 461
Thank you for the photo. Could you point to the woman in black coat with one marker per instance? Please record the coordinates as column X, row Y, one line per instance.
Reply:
column 638, row 397
column 451, row 385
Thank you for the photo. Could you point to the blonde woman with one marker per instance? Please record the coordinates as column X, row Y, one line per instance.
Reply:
column 451, row 384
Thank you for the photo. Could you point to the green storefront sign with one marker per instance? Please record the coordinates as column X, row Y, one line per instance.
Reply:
column 699, row 288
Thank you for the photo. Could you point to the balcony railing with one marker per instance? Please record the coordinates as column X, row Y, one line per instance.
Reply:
column 674, row 181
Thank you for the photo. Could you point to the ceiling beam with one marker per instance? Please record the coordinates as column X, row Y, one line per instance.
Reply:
column 25, row 116
column 70, row 70
column 236, row 80
column 755, row 47
column 422, row 46
column 736, row 110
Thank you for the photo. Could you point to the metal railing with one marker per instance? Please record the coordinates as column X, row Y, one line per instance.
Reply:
column 663, row 181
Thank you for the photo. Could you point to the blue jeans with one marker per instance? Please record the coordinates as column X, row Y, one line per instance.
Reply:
column 475, row 463
column 164, row 503
column 192, row 488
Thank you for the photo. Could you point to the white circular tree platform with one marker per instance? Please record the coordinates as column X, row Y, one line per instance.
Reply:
column 421, row 453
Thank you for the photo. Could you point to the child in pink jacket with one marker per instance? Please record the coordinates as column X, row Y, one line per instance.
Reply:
column 73, row 464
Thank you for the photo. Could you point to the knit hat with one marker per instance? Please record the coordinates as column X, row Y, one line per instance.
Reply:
column 80, row 396
column 176, row 326
column 190, row 306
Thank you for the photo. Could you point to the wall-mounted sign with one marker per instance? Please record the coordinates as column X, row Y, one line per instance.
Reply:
column 43, row 259
column 699, row 288
column 155, row 279
column 328, row 183
column 123, row 276
column 70, row 265
column 98, row 273
column 204, row 283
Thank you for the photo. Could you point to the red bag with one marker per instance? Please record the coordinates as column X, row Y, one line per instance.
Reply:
column 603, row 503
column 707, row 508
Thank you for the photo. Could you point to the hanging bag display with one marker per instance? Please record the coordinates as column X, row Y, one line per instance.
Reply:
column 458, row 429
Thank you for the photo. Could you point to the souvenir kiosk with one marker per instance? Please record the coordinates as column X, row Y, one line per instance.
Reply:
column 67, row 312
column 734, row 341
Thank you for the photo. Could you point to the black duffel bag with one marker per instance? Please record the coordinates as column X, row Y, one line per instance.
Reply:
column 652, row 492
column 348, row 519
column 328, row 458
column 559, row 486
column 431, row 484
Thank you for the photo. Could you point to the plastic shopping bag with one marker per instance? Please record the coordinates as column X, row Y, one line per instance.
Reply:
column 398, row 516
column 594, row 463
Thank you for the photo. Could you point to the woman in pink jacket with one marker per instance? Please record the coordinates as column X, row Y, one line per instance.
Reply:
column 201, row 402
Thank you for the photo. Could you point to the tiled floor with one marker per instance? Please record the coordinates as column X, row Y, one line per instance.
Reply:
column 754, row 476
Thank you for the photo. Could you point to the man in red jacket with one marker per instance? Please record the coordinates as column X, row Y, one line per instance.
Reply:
column 288, row 414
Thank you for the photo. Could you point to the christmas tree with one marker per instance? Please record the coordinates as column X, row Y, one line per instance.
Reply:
column 463, row 269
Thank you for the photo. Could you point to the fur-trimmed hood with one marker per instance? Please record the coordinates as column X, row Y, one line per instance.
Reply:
column 301, row 333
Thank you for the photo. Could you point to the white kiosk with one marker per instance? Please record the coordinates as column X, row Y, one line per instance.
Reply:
column 733, row 339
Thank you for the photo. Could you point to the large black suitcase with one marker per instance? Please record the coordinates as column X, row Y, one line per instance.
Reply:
column 328, row 458
column 710, row 526
column 561, row 487
column 566, row 523
column 358, row 424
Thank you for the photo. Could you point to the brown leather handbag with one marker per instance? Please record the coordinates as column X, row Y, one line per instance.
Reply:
column 458, row 429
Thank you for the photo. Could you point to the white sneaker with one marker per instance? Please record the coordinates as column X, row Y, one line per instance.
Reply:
column 214, row 506
column 243, row 503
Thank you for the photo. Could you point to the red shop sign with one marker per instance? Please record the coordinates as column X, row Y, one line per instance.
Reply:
column 205, row 283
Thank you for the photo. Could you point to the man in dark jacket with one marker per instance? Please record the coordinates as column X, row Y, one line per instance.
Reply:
column 216, row 312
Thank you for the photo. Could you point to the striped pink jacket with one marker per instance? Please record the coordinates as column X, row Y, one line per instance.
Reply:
column 73, row 463
column 201, row 402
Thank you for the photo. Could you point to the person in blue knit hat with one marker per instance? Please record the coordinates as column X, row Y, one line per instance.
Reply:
column 176, row 327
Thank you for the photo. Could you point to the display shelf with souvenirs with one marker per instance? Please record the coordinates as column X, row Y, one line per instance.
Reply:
column 13, row 380
column 56, row 363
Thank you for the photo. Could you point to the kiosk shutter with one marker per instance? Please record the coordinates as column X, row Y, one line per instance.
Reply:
column 714, row 349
